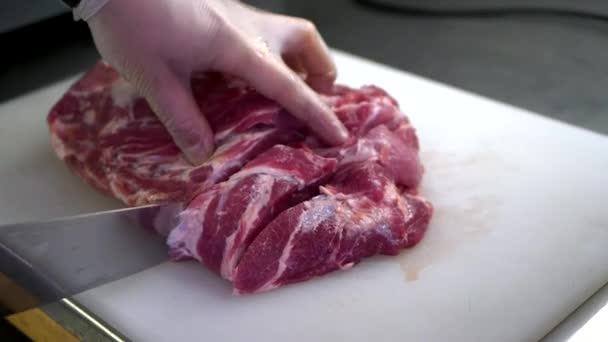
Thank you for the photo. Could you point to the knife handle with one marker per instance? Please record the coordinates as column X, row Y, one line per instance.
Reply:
column 13, row 298
column 26, row 288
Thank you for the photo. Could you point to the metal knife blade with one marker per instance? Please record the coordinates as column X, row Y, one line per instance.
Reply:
column 60, row 258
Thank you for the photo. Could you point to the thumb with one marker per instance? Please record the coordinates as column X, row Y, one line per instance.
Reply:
column 171, row 99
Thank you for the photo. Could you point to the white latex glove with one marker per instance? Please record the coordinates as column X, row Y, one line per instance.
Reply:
column 157, row 45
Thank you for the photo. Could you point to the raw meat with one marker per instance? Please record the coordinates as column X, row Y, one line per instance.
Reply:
column 273, row 205
column 219, row 224
column 111, row 138
column 360, row 213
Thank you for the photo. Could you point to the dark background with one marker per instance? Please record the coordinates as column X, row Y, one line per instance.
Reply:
column 552, row 64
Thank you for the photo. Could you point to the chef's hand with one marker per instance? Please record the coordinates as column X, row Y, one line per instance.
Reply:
column 157, row 44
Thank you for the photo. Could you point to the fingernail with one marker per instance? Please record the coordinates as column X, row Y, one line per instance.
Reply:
column 199, row 151
column 343, row 133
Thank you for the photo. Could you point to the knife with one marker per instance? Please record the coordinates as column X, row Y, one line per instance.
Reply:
column 43, row 262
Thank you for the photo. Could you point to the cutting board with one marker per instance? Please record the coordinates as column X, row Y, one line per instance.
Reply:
column 517, row 242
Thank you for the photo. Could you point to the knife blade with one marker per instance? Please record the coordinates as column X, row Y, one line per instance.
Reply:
column 59, row 258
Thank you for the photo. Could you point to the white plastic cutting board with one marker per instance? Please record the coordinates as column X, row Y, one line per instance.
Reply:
column 517, row 242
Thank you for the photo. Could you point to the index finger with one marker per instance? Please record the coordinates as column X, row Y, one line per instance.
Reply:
column 273, row 79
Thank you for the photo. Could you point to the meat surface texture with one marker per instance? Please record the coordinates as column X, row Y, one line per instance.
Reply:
column 273, row 205
column 358, row 214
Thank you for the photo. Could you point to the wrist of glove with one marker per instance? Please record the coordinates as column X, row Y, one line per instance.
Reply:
column 84, row 9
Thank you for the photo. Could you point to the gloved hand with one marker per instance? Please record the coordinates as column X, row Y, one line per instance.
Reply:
column 157, row 44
